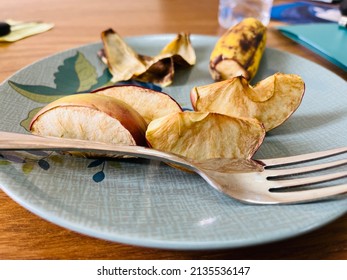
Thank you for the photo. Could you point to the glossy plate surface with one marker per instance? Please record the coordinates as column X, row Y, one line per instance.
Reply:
column 145, row 202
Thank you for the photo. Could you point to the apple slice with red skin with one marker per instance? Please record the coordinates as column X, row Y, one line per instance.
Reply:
column 151, row 104
column 204, row 135
column 91, row 117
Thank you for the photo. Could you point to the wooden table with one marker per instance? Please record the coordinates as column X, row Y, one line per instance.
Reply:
column 77, row 22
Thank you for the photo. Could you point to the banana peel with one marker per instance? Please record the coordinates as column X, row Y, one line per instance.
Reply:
column 124, row 63
column 238, row 51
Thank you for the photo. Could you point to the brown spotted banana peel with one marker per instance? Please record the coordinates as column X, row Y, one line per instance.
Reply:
column 239, row 51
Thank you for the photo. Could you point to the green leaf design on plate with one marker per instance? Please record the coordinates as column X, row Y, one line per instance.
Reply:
column 4, row 162
column 115, row 164
column 99, row 176
column 66, row 79
column 86, row 73
column 27, row 167
column 103, row 81
column 75, row 75
column 44, row 164
column 96, row 163
column 26, row 123
column 41, row 94
column 56, row 159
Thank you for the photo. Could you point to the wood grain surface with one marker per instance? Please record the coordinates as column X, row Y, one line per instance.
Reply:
column 24, row 235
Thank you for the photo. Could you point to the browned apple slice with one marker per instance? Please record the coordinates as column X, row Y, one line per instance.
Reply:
column 91, row 117
column 203, row 136
column 271, row 101
column 149, row 103
column 124, row 63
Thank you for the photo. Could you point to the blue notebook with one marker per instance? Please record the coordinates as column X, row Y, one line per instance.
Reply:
column 326, row 39
column 305, row 12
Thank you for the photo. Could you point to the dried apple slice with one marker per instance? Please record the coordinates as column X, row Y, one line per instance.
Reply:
column 180, row 49
column 161, row 70
column 202, row 136
column 271, row 101
column 124, row 63
column 159, row 73
column 91, row 117
column 149, row 103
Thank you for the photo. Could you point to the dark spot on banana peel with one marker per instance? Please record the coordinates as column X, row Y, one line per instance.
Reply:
column 248, row 43
column 216, row 61
column 249, row 62
column 213, row 64
column 258, row 39
column 245, row 43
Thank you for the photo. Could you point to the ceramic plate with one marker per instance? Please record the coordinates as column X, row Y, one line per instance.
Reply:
column 147, row 203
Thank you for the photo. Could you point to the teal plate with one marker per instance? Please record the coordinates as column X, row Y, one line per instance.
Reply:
column 147, row 203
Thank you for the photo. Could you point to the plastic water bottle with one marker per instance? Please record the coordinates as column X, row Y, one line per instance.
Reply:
column 233, row 11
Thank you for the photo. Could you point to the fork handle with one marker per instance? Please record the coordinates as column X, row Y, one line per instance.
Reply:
column 24, row 142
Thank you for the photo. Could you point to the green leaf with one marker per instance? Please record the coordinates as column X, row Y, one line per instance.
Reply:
column 103, row 81
column 27, row 167
column 26, row 123
column 99, row 176
column 56, row 159
column 4, row 162
column 115, row 164
column 44, row 164
column 75, row 75
column 66, row 78
column 95, row 163
column 86, row 73
column 41, row 94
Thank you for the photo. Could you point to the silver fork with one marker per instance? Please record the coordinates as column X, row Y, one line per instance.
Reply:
column 250, row 181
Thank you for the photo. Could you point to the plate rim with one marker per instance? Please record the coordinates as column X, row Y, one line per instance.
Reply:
column 152, row 243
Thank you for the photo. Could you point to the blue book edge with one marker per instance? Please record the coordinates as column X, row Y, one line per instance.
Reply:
column 292, row 32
